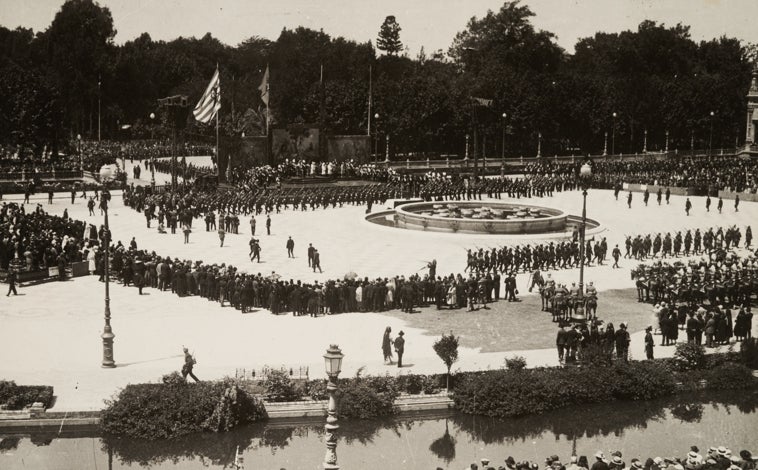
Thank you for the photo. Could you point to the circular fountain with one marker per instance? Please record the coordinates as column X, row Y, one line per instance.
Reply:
column 480, row 217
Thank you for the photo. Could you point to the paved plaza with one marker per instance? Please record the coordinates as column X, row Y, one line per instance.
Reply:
column 51, row 333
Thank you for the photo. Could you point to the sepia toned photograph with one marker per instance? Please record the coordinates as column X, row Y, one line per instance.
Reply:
column 400, row 234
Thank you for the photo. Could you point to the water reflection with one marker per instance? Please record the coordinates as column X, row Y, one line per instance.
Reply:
column 444, row 447
column 662, row 427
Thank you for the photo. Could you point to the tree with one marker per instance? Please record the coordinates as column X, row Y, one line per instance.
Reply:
column 447, row 349
column 80, row 43
column 389, row 37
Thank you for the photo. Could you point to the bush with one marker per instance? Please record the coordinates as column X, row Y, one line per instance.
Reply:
column 430, row 384
column 18, row 397
column 641, row 381
column 359, row 398
column 595, row 355
column 509, row 393
column 169, row 410
column 279, row 387
column 174, row 378
column 317, row 389
column 515, row 363
column 730, row 376
column 413, row 384
column 749, row 352
column 690, row 355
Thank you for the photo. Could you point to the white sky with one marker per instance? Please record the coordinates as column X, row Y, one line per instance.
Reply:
column 431, row 23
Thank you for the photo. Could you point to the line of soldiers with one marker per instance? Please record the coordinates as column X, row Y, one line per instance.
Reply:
column 541, row 256
column 256, row 200
column 733, row 280
column 443, row 188
column 641, row 247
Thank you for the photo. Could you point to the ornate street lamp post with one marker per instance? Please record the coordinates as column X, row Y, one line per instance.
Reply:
column 644, row 145
column 333, row 363
column 81, row 157
column 539, row 144
column 605, row 144
column 710, row 138
column 98, row 108
column 502, row 149
column 584, row 172
column 106, row 173
column 376, row 137
column 667, row 141
column 613, row 137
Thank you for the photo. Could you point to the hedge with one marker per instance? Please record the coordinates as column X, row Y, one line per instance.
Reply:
column 174, row 408
column 509, row 393
column 17, row 397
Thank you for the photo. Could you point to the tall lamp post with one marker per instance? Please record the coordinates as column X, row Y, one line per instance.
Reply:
column 106, row 173
column 333, row 363
column 98, row 108
column 613, row 136
column 584, row 172
column 376, row 137
column 81, row 157
column 502, row 149
column 710, row 138
column 152, row 154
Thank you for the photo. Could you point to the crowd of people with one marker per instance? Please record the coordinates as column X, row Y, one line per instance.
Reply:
column 715, row 458
column 711, row 298
column 246, row 291
column 39, row 240
column 701, row 173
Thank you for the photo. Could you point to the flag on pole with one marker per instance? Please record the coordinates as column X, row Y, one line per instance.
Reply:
column 483, row 102
column 264, row 87
column 210, row 102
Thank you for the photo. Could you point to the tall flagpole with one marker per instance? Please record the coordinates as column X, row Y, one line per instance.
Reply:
column 368, row 129
column 218, row 97
column 268, row 98
column 218, row 157
column 322, row 118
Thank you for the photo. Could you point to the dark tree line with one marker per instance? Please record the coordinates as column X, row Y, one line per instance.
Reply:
column 655, row 79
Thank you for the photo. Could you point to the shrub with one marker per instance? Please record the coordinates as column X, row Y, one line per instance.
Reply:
column 430, row 384
column 359, row 399
column 317, row 389
column 690, row 355
column 17, row 397
column 730, row 376
column 382, row 383
column 515, row 363
column 169, row 410
column 174, row 378
column 641, row 381
column 279, row 387
column 413, row 384
column 749, row 352
column 595, row 355
column 509, row 393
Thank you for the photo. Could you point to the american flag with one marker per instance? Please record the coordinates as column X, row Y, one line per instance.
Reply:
column 210, row 102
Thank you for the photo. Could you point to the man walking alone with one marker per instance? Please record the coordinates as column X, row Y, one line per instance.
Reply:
column 189, row 364
column 290, row 247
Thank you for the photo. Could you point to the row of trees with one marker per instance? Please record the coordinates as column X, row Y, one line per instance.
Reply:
column 655, row 78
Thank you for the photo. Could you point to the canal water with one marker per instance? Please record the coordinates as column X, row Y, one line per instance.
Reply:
column 451, row 440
